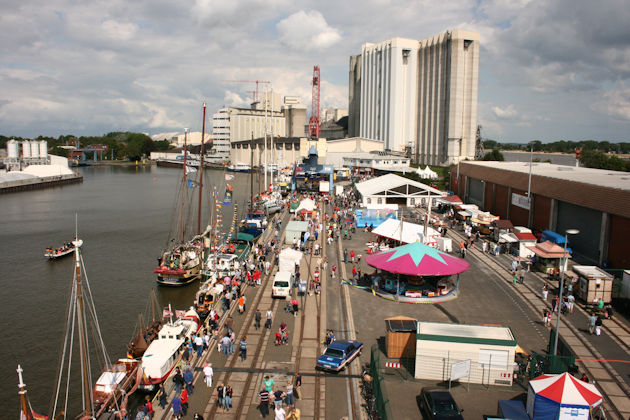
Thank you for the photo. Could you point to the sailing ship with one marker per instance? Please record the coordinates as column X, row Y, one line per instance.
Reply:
column 64, row 250
column 160, row 358
column 140, row 342
column 181, row 262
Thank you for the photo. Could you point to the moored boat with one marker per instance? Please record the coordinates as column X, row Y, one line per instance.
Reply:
column 161, row 356
column 181, row 265
column 113, row 382
column 239, row 167
column 64, row 250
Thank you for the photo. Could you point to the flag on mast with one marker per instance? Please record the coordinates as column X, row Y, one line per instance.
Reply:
column 229, row 190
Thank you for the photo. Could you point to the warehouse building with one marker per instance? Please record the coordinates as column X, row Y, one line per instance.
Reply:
column 595, row 201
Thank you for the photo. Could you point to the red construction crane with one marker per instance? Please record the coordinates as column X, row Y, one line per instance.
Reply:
column 255, row 92
column 313, row 122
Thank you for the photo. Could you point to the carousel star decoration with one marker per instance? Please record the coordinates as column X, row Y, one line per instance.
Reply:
column 416, row 253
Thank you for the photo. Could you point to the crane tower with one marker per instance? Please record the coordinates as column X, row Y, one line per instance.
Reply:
column 313, row 122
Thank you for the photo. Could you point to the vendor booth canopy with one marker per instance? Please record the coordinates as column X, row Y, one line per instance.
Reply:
column 403, row 231
column 306, row 204
column 417, row 259
column 548, row 249
column 561, row 397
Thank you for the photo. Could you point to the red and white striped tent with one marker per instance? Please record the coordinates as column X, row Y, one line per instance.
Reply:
column 561, row 397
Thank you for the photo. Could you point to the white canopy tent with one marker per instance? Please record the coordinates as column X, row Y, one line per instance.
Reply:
column 288, row 258
column 411, row 232
column 306, row 204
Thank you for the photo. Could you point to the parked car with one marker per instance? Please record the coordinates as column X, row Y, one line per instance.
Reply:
column 338, row 354
column 438, row 404
column 281, row 286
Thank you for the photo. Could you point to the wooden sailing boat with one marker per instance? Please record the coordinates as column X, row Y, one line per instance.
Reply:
column 146, row 334
column 181, row 262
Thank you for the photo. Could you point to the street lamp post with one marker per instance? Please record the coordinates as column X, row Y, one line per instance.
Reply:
column 559, row 305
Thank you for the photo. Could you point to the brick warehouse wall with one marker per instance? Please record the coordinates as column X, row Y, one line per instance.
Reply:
column 518, row 215
column 542, row 209
column 618, row 255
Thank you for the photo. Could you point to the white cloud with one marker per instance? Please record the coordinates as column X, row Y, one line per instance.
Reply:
column 234, row 99
column 118, row 30
column 307, row 31
column 508, row 112
column 616, row 103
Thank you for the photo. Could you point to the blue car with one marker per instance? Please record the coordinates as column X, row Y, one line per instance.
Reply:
column 338, row 354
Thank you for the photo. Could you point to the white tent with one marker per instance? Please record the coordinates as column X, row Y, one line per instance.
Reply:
column 288, row 258
column 411, row 232
column 306, row 204
column 430, row 174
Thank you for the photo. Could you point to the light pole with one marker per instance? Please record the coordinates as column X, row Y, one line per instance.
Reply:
column 559, row 305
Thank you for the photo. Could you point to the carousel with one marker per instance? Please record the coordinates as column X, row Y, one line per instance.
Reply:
column 416, row 273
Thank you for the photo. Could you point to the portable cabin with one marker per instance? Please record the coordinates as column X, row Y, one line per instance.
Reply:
column 593, row 284
column 525, row 240
column 401, row 337
column 295, row 229
column 490, row 349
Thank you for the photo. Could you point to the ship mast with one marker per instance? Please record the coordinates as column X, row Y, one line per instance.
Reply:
column 22, row 392
column 184, row 180
column 203, row 138
column 86, row 391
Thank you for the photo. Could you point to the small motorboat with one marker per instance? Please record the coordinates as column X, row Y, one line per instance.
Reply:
column 66, row 249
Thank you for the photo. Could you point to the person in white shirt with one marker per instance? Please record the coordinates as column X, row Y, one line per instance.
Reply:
column 208, row 372
column 280, row 413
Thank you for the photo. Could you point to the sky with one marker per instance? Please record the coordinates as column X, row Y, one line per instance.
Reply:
column 548, row 70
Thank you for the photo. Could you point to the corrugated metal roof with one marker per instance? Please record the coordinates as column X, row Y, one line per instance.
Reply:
column 391, row 181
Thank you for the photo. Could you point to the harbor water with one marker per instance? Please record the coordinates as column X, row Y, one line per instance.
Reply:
column 124, row 216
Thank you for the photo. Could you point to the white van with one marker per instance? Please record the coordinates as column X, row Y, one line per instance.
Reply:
column 282, row 284
column 272, row 207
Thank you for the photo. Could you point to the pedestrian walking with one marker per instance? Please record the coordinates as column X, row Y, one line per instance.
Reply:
column 268, row 383
column 554, row 304
column 521, row 276
column 257, row 318
column 279, row 413
column 278, row 396
column 184, row 398
column 598, row 325
column 178, row 380
column 189, row 378
column 546, row 318
column 225, row 345
column 241, row 304
column 269, row 319
column 176, row 403
column 161, row 394
column 298, row 385
column 227, row 399
column 514, row 266
column 263, row 397
column 345, row 255
column 221, row 395
column 289, row 395
column 208, row 373
column 545, row 291
column 149, row 407
column 352, row 255
column 591, row 323
column 243, row 348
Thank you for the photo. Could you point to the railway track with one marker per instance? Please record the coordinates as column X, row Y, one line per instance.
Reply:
column 504, row 273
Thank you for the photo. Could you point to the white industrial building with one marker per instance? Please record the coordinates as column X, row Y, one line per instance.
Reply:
column 418, row 96
column 271, row 116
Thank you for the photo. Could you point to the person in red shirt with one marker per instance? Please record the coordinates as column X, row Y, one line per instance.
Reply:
column 352, row 256
column 184, row 398
column 354, row 271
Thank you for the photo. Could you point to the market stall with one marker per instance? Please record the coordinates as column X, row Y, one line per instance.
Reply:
column 525, row 240
column 416, row 273
column 295, row 229
column 594, row 284
column 548, row 257
column 560, row 397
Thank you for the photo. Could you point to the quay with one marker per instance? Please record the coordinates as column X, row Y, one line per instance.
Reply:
column 39, row 183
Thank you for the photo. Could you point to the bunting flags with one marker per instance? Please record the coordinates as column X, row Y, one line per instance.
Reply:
column 167, row 313
column 229, row 190
column 180, row 313
column 229, row 177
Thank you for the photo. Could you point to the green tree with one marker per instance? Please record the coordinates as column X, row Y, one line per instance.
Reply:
column 494, row 155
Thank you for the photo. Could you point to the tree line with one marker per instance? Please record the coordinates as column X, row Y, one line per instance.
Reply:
column 121, row 145
column 592, row 154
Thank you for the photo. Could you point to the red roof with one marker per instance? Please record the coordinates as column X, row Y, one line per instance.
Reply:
column 525, row 236
column 453, row 199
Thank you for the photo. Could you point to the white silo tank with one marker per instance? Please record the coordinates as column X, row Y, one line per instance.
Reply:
column 43, row 149
column 34, row 149
column 12, row 149
column 26, row 149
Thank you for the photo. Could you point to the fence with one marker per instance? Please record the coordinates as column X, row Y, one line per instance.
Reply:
column 378, row 385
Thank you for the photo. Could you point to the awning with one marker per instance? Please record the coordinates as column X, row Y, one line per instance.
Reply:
column 404, row 232
column 504, row 224
column 508, row 237
column 548, row 249
column 464, row 213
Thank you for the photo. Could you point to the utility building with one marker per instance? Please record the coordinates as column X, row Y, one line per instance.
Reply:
column 418, row 97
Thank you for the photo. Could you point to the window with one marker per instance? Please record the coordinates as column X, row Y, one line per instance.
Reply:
column 412, row 201
column 296, row 147
column 245, row 146
column 369, row 201
column 288, row 146
column 278, row 146
column 380, row 200
column 238, row 145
